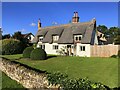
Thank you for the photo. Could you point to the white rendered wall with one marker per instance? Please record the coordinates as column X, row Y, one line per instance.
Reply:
column 49, row 48
column 85, row 53
column 96, row 39
column 31, row 37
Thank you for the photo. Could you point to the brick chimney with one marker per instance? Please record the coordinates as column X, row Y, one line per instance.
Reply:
column 39, row 24
column 75, row 18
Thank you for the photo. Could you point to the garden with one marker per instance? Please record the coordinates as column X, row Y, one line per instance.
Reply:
column 103, row 70
column 75, row 69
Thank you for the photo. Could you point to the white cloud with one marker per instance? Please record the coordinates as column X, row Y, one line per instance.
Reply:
column 54, row 23
column 32, row 24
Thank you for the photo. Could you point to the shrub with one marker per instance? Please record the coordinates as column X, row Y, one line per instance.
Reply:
column 119, row 53
column 114, row 56
column 56, row 78
column 38, row 54
column 11, row 46
column 27, row 51
column 73, row 84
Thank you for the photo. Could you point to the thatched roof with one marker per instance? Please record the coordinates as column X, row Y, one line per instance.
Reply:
column 66, row 32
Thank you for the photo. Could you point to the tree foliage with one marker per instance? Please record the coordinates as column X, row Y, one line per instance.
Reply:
column 117, row 40
column 18, row 35
column 6, row 36
column 103, row 29
column 113, row 33
column 11, row 46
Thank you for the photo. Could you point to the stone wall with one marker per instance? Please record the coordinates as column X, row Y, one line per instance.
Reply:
column 24, row 75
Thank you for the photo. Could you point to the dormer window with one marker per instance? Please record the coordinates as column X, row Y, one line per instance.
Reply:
column 55, row 38
column 77, row 38
column 40, row 38
column 29, row 37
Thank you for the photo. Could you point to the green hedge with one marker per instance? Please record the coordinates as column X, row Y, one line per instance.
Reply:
column 27, row 51
column 38, row 54
column 11, row 46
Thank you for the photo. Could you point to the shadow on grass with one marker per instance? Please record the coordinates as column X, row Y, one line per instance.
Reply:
column 24, row 65
column 51, row 56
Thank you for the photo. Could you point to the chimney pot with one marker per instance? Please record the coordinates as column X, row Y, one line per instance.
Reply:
column 75, row 18
column 39, row 24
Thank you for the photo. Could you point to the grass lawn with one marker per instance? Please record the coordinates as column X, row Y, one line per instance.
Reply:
column 9, row 84
column 104, row 70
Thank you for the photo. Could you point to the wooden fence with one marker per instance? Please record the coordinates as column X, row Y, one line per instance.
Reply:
column 104, row 50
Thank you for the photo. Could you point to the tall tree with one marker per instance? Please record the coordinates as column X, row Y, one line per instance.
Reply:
column 6, row 36
column 18, row 35
column 103, row 29
column 113, row 32
column 117, row 40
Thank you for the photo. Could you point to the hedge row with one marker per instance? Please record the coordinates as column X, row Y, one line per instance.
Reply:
column 11, row 46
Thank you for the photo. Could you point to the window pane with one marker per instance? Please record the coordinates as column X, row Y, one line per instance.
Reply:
column 55, row 38
column 43, row 46
column 80, row 48
column 79, row 38
column 55, row 47
column 83, row 48
column 76, row 38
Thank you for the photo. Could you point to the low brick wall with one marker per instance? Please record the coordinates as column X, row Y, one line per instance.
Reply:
column 25, row 76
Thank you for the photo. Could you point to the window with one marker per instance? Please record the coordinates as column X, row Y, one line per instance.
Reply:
column 55, row 38
column 29, row 37
column 42, row 46
column 77, row 37
column 40, row 38
column 55, row 47
column 82, row 48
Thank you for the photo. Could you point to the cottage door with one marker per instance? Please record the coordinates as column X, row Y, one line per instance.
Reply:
column 69, row 51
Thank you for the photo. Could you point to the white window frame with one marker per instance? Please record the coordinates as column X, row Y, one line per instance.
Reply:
column 42, row 47
column 77, row 36
column 55, row 47
column 55, row 38
column 82, row 48
column 40, row 38
column 29, row 37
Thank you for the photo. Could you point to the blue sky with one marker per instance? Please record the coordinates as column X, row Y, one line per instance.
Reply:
column 23, row 16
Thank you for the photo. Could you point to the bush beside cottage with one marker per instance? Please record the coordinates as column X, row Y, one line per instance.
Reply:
column 27, row 52
column 38, row 54
column 34, row 54
column 11, row 46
